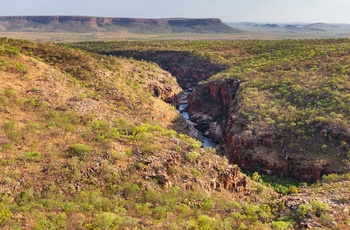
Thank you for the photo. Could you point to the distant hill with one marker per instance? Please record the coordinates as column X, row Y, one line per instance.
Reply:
column 293, row 30
column 136, row 25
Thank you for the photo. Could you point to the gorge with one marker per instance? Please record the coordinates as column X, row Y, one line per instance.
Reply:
column 249, row 139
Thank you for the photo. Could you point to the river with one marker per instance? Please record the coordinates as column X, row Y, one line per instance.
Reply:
column 207, row 142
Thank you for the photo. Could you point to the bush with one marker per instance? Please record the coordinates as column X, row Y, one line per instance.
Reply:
column 207, row 204
column 159, row 212
column 326, row 219
column 330, row 178
column 79, row 150
column 318, row 207
column 281, row 225
column 32, row 156
column 5, row 214
column 293, row 189
column 206, row 222
column 106, row 220
column 195, row 172
column 256, row 177
column 192, row 156
column 303, row 210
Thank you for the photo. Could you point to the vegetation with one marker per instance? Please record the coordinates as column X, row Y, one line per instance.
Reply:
column 85, row 143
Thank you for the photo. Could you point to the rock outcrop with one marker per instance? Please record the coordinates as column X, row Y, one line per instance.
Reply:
column 209, row 103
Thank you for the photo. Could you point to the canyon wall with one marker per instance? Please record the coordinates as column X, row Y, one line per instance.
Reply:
column 214, row 105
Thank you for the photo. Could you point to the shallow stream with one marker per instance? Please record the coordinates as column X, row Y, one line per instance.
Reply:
column 207, row 142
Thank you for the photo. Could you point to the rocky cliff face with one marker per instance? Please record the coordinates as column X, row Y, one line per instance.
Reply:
column 213, row 106
column 273, row 153
column 209, row 103
column 80, row 23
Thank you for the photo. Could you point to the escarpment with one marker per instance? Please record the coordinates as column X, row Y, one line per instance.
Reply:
column 108, row 24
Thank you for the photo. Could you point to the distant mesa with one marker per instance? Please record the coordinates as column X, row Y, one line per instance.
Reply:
column 136, row 25
column 322, row 27
column 268, row 25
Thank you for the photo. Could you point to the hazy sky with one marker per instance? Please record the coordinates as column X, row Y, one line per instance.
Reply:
column 227, row 10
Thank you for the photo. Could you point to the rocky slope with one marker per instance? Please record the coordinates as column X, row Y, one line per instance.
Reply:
column 186, row 66
column 86, row 24
column 85, row 143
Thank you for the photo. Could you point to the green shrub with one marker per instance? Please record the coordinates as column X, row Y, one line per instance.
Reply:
column 159, row 212
column 206, row 222
column 319, row 207
column 256, row 177
column 128, row 152
column 303, row 210
column 106, row 220
column 195, row 172
column 21, row 68
column 192, row 156
column 32, row 156
column 207, row 204
column 326, row 219
column 330, row 178
column 281, row 225
column 44, row 223
column 5, row 214
column 9, row 93
column 11, row 131
column 143, row 209
column 293, row 189
column 9, row 50
column 79, row 150
column 118, row 155
column 264, row 213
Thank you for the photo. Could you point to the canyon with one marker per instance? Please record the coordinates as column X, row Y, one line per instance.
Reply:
column 89, row 142
column 212, row 107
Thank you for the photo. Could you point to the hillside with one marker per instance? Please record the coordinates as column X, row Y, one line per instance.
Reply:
column 99, row 24
column 87, row 142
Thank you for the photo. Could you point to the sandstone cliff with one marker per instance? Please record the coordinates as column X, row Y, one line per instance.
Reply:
column 268, row 151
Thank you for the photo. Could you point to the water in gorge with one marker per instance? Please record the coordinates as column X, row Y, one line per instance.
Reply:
column 207, row 142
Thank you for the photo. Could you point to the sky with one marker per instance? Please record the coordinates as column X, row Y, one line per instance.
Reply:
column 327, row 11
